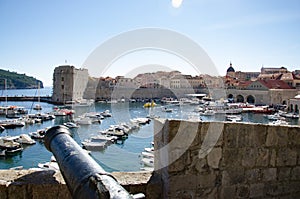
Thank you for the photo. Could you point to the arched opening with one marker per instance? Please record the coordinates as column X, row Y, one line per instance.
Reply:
column 250, row 99
column 296, row 108
column 291, row 108
column 239, row 98
column 284, row 102
column 230, row 98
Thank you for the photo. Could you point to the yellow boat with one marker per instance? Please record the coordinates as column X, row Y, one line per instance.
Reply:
column 149, row 104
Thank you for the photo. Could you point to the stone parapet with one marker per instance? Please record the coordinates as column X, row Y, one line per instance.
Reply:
column 48, row 184
column 245, row 161
column 237, row 160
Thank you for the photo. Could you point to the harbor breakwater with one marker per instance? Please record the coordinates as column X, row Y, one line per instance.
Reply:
column 246, row 161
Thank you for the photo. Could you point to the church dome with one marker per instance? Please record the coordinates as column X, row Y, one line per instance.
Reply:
column 230, row 69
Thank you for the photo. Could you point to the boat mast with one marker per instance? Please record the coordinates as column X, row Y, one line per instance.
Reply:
column 39, row 92
column 5, row 87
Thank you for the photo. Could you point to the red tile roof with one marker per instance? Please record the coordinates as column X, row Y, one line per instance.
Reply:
column 275, row 84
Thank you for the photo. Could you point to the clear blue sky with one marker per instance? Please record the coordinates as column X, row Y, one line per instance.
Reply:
column 36, row 36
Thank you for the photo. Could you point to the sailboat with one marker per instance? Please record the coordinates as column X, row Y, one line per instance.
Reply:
column 38, row 106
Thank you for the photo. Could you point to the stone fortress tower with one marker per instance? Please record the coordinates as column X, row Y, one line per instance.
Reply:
column 69, row 83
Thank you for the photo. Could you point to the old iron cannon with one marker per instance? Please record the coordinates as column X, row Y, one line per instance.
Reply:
column 84, row 177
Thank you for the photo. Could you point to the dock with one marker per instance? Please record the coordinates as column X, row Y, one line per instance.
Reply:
column 27, row 98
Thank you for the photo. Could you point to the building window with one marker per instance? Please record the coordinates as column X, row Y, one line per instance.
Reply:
column 62, row 86
column 62, row 79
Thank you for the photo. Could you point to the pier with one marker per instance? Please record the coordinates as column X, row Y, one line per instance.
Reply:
column 27, row 98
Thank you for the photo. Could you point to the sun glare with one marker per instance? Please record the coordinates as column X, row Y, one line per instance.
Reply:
column 176, row 3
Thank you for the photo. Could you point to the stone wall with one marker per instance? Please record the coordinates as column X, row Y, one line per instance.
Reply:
column 195, row 160
column 245, row 161
column 48, row 184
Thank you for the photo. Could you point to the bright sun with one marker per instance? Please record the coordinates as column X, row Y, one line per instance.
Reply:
column 176, row 3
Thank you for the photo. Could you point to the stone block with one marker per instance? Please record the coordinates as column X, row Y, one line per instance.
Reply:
column 177, row 160
column 294, row 137
column 256, row 135
column 284, row 173
column 212, row 134
column 231, row 158
column 296, row 173
column 286, row 157
column 198, row 165
column 249, row 156
column 207, row 180
column 273, row 189
column 243, row 136
column 269, row 174
column 242, row 191
column 262, row 159
column 277, row 136
column 17, row 190
column 256, row 190
column 184, row 194
column 180, row 183
column 292, row 187
column 227, row 192
column 3, row 193
column 233, row 176
column 214, row 157
column 253, row 175
column 230, row 136
column 273, row 157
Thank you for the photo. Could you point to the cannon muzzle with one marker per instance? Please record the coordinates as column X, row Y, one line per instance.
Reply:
column 84, row 177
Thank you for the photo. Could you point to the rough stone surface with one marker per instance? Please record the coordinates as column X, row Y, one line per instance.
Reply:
column 238, row 161
column 214, row 157
column 246, row 161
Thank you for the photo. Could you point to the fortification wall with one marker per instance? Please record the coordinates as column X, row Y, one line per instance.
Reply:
column 244, row 160
column 237, row 160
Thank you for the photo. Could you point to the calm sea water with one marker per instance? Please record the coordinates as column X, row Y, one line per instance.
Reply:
column 123, row 156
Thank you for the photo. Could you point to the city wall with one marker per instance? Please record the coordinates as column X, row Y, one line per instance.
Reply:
column 244, row 161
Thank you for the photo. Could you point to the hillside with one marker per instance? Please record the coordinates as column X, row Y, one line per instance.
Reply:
column 18, row 81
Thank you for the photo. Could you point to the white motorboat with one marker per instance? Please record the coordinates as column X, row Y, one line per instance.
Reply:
column 141, row 120
column 168, row 110
column 291, row 115
column 51, row 165
column 9, row 146
column 25, row 139
column 83, row 120
column 147, row 154
column 279, row 122
column 208, row 113
column 94, row 146
column 106, row 113
column 37, row 107
column 274, row 117
column 149, row 162
column 71, row 125
column 13, row 123
column 234, row 118
column 149, row 149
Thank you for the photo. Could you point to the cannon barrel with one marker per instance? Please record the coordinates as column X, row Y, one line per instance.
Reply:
column 84, row 177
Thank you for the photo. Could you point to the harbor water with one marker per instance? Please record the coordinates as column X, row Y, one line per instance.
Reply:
column 121, row 156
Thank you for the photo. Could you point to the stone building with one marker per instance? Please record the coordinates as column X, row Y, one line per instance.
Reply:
column 294, row 104
column 69, row 83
